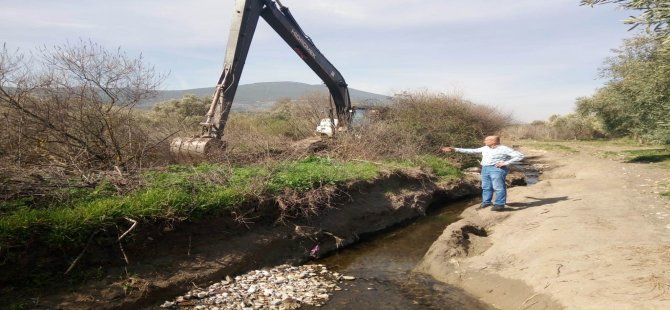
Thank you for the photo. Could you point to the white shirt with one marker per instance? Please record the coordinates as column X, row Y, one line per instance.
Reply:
column 490, row 156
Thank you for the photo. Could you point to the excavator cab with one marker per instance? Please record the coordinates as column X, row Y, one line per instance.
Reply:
column 358, row 116
column 327, row 127
column 245, row 19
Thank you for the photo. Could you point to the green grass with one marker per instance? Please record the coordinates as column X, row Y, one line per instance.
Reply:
column 184, row 192
column 175, row 192
column 178, row 191
column 19, row 305
column 317, row 171
column 658, row 155
column 438, row 166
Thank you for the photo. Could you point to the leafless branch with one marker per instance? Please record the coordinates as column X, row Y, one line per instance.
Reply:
column 129, row 229
column 88, row 243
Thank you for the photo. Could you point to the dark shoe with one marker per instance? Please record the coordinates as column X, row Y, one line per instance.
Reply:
column 498, row 208
column 484, row 205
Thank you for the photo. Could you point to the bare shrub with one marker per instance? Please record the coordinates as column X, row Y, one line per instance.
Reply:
column 258, row 136
column 72, row 106
column 416, row 123
column 302, row 115
column 13, row 146
column 310, row 108
column 419, row 123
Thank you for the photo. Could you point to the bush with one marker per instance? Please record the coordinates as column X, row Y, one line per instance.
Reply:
column 420, row 123
column 634, row 101
column 72, row 106
column 181, row 115
column 571, row 126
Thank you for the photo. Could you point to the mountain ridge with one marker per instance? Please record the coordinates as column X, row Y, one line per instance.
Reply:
column 262, row 95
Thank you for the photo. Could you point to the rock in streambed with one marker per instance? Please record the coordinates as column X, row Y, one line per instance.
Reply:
column 282, row 287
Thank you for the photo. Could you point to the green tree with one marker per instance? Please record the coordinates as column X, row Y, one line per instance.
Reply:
column 187, row 108
column 655, row 14
column 636, row 99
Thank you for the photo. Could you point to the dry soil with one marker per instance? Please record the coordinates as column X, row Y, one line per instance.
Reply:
column 594, row 233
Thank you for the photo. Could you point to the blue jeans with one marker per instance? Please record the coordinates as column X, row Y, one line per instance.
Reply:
column 493, row 180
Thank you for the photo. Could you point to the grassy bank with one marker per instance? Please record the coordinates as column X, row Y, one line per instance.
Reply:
column 186, row 192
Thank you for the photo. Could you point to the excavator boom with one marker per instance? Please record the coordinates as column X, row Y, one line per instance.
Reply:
column 245, row 19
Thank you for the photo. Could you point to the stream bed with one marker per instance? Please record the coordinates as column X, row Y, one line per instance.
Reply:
column 374, row 273
column 383, row 264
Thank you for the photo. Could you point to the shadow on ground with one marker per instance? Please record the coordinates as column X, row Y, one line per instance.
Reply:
column 649, row 156
column 538, row 202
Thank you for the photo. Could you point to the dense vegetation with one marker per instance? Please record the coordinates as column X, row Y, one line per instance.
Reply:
column 635, row 101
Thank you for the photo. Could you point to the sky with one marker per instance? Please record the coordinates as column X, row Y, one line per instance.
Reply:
column 530, row 58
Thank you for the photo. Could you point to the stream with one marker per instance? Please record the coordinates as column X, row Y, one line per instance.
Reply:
column 383, row 267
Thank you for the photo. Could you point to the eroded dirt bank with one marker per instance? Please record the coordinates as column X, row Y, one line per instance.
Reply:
column 594, row 233
column 206, row 252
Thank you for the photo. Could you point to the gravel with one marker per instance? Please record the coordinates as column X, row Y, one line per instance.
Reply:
column 283, row 287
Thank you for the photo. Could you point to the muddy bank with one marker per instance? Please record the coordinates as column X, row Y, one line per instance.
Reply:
column 201, row 253
column 469, row 238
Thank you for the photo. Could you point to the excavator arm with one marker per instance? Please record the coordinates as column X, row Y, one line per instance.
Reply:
column 245, row 19
column 281, row 20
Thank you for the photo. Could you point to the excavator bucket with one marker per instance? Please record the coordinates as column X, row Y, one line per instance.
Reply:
column 193, row 150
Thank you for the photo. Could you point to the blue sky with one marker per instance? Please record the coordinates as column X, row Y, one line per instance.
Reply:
column 531, row 58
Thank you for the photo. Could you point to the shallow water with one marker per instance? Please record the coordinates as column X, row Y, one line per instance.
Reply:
column 383, row 267
column 531, row 174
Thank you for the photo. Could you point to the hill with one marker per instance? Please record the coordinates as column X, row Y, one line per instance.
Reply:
column 262, row 95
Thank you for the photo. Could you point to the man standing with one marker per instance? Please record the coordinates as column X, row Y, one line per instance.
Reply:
column 495, row 166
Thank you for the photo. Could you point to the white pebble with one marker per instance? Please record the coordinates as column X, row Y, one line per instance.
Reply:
column 167, row 304
column 283, row 287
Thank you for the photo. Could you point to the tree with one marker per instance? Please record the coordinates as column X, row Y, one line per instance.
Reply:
column 73, row 104
column 655, row 14
column 636, row 99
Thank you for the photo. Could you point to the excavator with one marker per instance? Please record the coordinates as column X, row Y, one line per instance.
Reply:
column 244, row 21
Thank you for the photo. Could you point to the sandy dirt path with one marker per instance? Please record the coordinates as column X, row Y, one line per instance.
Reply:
column 594, row 233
